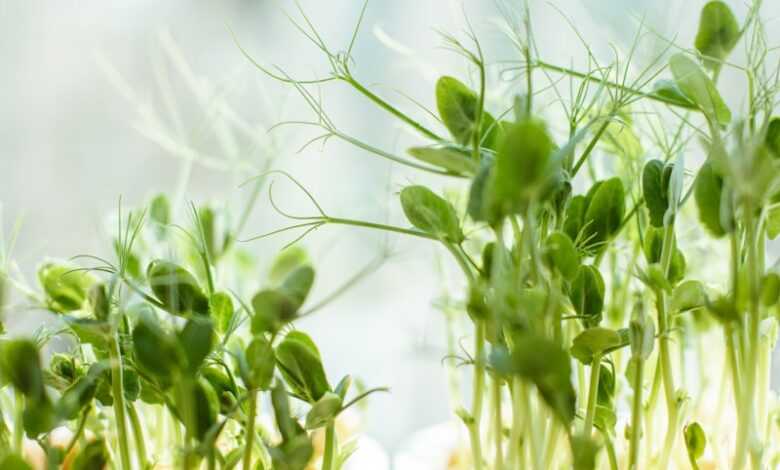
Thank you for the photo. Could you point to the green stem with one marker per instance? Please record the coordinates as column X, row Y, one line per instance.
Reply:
column 330, row 447
column 391, row 109
column 664, row 355
column 746, row 420
column 515, row 434
column 79, row 430
column 250, row 430
column 636, row 414
column 498, row 430
column 372, row 225
column 590, row 147
column 478, row 395
column 117, row 389
column 593, row 391
column 609, row 84
column 138, row 432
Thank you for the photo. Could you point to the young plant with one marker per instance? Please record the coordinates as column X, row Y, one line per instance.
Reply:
column 167, row 365
column 593, row 296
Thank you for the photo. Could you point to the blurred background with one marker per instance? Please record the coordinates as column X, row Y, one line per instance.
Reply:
column 109, row 99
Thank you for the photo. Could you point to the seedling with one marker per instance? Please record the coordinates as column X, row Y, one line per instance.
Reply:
column 597, row 302
column 172, row 346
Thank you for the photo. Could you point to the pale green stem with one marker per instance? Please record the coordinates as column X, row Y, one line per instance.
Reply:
column 515, row 434
column 478, row 395
column 250, row 430
column 531, row 432
column 117, row 389
column 138, row 432
column 498, row 425
column 636, row 414
column 19, row 422
column 330, row 447
column 593, row 391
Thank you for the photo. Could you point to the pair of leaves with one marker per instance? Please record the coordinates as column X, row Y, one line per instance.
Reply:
column 176, row 288
column 561, row 255
column 718, row 33
column 296, row 449
column 64, row 286
column 431, row 213
column 458, row 107
column 653, row 248
column 592, row 220
column 257, row 364
column 300, row 363
column 276, row 307
column 695, row 442
column 697, row 87
column 586, row 294
column 713, row 201
column 20, row 365
column 655, row 189
column 596, row 342
column 163, row 355
column 197, row 406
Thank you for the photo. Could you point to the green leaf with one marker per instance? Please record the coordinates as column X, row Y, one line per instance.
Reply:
column 323, row 411
column 699, row 88
column 574, row 218
column 524, row 167
column 197, row 406
column 695, row 440
column 89, row 331
column 481, row 205
column 772, row 139
column 160, row 210
column 594, row 342
column 272, row 310
column 286, row 262
column 587, row 295
column 260, row 364
column 39, row 417
column 431, row 213
column 449, row 157
column 222, row 385
column 604, row 213
column 458, row 108
column 208, row 229
column 655, row 191
column 718, row 33
column 176, row 289
column 641, row 331
column 709, row 196
column 653, row 247
column 20, row 364
column 65, row 287
column 689, row 295
column 546, row 365
column 77, row 396
column 562, row 255
column 196, row 340
column 156, row 351
column 94, row 456
column 287, row 426
column 99, row 301
column 773, row 221
column 669, row 91
column 221, row 310
column 297, row 285
column 301, row 366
